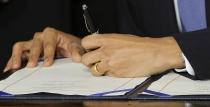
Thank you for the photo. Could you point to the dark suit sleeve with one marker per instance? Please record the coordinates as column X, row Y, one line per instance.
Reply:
column 196, row 47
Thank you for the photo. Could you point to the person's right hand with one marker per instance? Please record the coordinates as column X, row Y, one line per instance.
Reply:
column 49, row 43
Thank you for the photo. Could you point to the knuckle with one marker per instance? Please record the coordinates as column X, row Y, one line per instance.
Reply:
column 50, row 34
column 18, row 45
column 49, row 29
column 32, row 55
column 37, row 34
column 104, row 52
column 91, row 38
column 49, row 48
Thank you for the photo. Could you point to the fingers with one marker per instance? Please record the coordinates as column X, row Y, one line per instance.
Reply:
column 95, row 60
column 49, row 42
column 45, row 42
column 35, row 51
column 9, row 65
column 92, row 42
column 17, row 55
column 76, row 54
column 100, row 68
column 92, row 57
column 18, row 50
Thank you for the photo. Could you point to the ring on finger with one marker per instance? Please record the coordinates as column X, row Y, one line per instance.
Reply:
column 95, row 69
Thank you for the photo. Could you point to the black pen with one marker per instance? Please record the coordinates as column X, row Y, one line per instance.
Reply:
column 88, row 21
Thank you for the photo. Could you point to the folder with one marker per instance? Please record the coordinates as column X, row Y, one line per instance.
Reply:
column 142, row 91
column 98, row 96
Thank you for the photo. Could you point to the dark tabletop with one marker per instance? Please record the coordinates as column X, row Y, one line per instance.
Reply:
column 68, row 103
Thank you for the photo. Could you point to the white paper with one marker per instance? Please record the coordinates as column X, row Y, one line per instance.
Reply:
column 64, row 77
column 175, row 84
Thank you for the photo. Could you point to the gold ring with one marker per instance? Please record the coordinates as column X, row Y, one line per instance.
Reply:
column 95, row 68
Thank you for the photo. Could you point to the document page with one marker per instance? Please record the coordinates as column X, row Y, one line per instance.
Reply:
column 175, row 84
column 65, row 77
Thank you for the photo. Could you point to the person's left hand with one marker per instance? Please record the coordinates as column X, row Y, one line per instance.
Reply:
column 123, row 55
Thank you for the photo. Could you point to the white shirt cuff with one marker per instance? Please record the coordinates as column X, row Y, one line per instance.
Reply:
column 188, row 66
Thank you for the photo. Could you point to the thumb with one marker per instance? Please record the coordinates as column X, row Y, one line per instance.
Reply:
column 76, row 56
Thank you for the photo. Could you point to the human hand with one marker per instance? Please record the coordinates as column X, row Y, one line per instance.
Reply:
column 50, row 43
column 123, row 55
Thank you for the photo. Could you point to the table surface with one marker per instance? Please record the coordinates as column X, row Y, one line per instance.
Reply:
column 66, row 103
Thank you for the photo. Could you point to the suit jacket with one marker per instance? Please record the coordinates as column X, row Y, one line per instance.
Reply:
column 154, row 18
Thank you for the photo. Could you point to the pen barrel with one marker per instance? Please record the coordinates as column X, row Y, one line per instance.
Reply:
column 88, row 21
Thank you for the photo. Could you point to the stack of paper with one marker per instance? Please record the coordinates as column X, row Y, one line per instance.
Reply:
column 175, row 84
column 65, row 77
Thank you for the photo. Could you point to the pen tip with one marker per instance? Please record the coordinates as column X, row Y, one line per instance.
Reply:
column 84, row 6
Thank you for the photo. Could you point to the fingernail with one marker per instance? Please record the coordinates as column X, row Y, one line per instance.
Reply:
column 29, row 65
column 6, row 69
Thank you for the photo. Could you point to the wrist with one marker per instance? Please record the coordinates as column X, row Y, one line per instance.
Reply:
column 175, row 59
